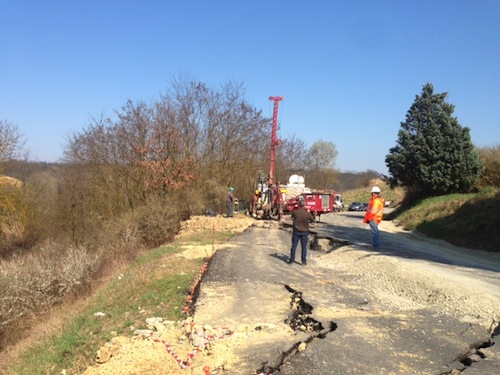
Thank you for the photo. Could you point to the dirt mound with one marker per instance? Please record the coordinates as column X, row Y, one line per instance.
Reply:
column 10, row 181
column 218, row 223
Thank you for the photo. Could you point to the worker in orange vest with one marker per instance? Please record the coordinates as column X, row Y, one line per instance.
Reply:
column 374, row 214
column 254, row 202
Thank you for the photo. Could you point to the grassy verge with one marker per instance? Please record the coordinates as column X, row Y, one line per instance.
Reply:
column 468, row 220
column 156, row 284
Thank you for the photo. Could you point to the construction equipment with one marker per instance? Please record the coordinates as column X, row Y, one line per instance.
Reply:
column 317, row 203
column 275, row 200
column 274, row 139
column 270, row 202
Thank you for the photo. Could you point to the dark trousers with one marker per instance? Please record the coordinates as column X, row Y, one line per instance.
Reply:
column 229, row 209
column 304, row 238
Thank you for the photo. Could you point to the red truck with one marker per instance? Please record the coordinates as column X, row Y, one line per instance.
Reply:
column 317, row 203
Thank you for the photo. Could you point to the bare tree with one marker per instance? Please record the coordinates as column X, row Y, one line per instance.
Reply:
column 222, row 135
column 192, row 135
column 13, row 207
column 291, row 158
column 106, row 176
column 321, row 165
column 11, row 142
column 491, row 159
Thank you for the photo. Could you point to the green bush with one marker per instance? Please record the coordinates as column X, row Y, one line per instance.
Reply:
column 491, row 160
column 468, row 220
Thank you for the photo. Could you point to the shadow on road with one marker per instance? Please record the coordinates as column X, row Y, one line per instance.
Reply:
column 408, row 245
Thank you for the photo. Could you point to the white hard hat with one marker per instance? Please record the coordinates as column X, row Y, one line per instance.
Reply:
column 375, row 189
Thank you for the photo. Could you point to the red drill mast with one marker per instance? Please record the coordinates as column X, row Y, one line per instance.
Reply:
column 274, row 140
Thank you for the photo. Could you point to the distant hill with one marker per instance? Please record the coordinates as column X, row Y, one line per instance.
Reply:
column 21, row 169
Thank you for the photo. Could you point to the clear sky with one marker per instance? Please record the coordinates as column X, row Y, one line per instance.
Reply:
column 348, row 70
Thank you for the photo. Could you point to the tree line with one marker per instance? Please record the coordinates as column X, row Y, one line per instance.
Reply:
column 186, row 148
column 183, row 151
column 180, row 152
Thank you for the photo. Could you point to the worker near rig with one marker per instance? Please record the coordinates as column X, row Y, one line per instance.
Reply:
column 301, row 219
column 230, row 202
column 254, row 202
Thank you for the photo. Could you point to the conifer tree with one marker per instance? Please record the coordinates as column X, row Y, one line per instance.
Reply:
column 434, row 154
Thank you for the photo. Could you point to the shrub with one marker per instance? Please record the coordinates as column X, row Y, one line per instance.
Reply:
column 491, row 159
column 35, row 282
column 157, row 223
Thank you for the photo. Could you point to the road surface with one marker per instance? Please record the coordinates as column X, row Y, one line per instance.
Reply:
column 417, row 306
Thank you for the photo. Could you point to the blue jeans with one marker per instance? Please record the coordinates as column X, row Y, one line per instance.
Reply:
column 304, row 238
column 376, row 234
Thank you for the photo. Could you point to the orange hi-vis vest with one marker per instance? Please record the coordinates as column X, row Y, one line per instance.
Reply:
column 375, row 210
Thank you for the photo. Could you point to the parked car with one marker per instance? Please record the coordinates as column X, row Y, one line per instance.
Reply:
column 355, row 206
column 364, row 206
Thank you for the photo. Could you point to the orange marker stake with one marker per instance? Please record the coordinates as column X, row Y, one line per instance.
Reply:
column 206, row 369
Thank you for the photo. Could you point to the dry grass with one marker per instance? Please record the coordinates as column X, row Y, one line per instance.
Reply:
column 468, row 220
column 36, row 282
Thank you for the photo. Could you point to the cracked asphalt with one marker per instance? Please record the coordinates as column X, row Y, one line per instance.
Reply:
column 416, row 307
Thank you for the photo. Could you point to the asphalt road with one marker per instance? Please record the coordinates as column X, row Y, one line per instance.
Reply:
column 471, row 268
column 317, row 324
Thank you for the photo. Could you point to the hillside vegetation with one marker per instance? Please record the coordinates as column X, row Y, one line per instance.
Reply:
column 466, row 220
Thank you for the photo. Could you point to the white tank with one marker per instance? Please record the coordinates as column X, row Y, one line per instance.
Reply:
column 296, row 181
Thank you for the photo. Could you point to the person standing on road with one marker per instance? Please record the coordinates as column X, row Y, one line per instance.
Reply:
column 230, row 202
column 374, row 213
column 301, row 219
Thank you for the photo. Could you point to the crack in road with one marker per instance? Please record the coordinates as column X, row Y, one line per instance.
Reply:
column 308, row 329
column 328, row 244
column 299, row 320
column 332, row 243
column 474, row 354
column 318, row 240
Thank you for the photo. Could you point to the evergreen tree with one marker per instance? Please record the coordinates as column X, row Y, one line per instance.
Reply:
column 434, row 154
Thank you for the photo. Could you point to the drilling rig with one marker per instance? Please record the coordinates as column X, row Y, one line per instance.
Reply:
column 270, row 202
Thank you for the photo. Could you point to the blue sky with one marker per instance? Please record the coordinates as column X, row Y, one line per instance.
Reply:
column 348, row 70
